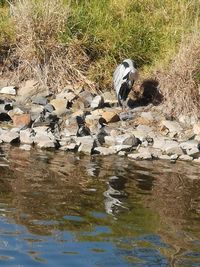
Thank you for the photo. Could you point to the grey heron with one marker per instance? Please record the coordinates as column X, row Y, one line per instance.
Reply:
column 123, row 79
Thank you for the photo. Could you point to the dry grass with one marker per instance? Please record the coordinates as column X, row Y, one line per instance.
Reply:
column 180, row 82
column 40, row 53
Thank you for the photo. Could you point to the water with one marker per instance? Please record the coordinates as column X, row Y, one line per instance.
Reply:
column 59, row 209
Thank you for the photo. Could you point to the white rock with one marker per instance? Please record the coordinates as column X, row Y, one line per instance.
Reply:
column 25, row 147
column 9, row 137
column 86, row 144
column 110, row 140
column 97, row 102
column 171, row 149
column 186, row 157
column 46, row 144
column 144, row 128
column 164, row 157
column 139, row 156
column 26, row 136
column 9, row 90
column 118, row 148
column 172, row 126
column 69, row 147
column 104, row 150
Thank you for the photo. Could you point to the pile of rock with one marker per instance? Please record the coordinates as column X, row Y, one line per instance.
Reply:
column 49, row 121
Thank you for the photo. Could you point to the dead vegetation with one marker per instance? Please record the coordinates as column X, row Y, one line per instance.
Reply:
column 180, row 82
column 39, row 52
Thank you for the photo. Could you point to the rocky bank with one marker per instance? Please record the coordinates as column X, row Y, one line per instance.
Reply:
column 34, row 117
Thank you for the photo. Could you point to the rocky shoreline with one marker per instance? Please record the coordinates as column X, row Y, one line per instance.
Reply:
column 49, row 121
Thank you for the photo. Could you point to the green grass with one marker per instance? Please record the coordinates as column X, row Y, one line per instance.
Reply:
column 149, row 31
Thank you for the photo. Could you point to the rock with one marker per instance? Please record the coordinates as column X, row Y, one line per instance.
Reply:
column 173, row 148
column 191, row 148
column 49, row 108
column 110, row 140
column 15, row 111
column 127, row 139
column 8, row 90
column 193, row 152
column 40, row 100
column 141, row 156
column 174, row 157
column 43, row 136
column 196, row 160
column 172, row 126
column 86, row 144
column 110, row 116
column 155, row 153
column 119, row 148
column 86, row 97
column 10, row 137
column 110, row 98
column 67, row 95
column 97, row 102
column 186, row 157
column 25, row 147
column 188, row 120
column 164, row 157
column 45, row 143
column 78, row 105
column 196, row 128
column 147, row 115
column 69, row 147
column 4, row 117
column 144, row 128
column 104, row 151
column 126, row 116
column 26, row 136
column 60, row 106
column 21, row 120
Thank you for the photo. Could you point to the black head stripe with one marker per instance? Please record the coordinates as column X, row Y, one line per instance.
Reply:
column 125, row 64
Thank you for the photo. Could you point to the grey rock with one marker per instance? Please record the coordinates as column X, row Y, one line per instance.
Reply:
column 141, row 156
column 155, row 153
column 147, row 115
column 86, row 97
column 40, row 100
column 186, row 157
column 172, row 126
column 173, row 148
column 104, row 151
column 164, row 157
column 49, row 108
column 126, row 116
column 174, row 157
column 8, row 90
column 43, row 135
column 127, row 139
column 86, row 144
column 10, row 137
column 144, row 128
column 193, row 152
column 69, row 147
column 46, row 143
column 118, row 148
column 97, row 102
column 110, row 140
column 26, row 136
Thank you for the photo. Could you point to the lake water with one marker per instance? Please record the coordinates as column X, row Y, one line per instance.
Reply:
column 63, row 209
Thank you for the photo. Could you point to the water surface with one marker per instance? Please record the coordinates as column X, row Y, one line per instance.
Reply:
column 62, row 209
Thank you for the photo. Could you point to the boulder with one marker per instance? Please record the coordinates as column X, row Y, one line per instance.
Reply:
column 10, row 137
column 8, row 90
column 172, row 126
column 97, row 102
column 104, row 151
column 26, row 136
column 86, row 144
column 21, row 120
column 141, row 156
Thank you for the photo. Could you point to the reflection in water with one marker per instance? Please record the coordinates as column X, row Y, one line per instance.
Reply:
column 59, row 209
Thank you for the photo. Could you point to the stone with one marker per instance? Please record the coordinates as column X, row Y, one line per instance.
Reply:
column 86, row 98
column 174, row 157
column 60, row 106
column 46, row 144
column 144, row 128
column 69, row 147
column 173, row 148
column 44, row 136
column 196, row 128
column 124, row 116
column 110, row 116
column 147, row 115
column 21, row 120
column 127, row 139
column 67, row 95
column 193, row 152
column 186, row 157
column 189, row 144
column 49, row 108
column 40, row 100
column 172, row 126
column 86, row 144
column 140, row 156
column 119, row 148
column 164, row 157
column 155, row 153
column 26, row 136
column 10, row 137
column 97, row 102
column 8, row 90
column 25, row 147
column 110, row 140
column 109, row 98
column 104, row 151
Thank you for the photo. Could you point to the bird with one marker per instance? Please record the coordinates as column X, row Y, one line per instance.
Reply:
column 102, row 131
column 83, row 130
column 123, row 79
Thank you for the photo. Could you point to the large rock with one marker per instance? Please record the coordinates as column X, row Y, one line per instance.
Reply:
column 127, row 139
column 104, row 151
column 141, row 156
column 10, row 137
column 191, row 148
column 173, row 148
column 21, row 120
column 97, row 102
column 26, row 136
column 60, row 106
column 8, row 90
column 86, row 144
column 173, row 126
column 111, row 116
